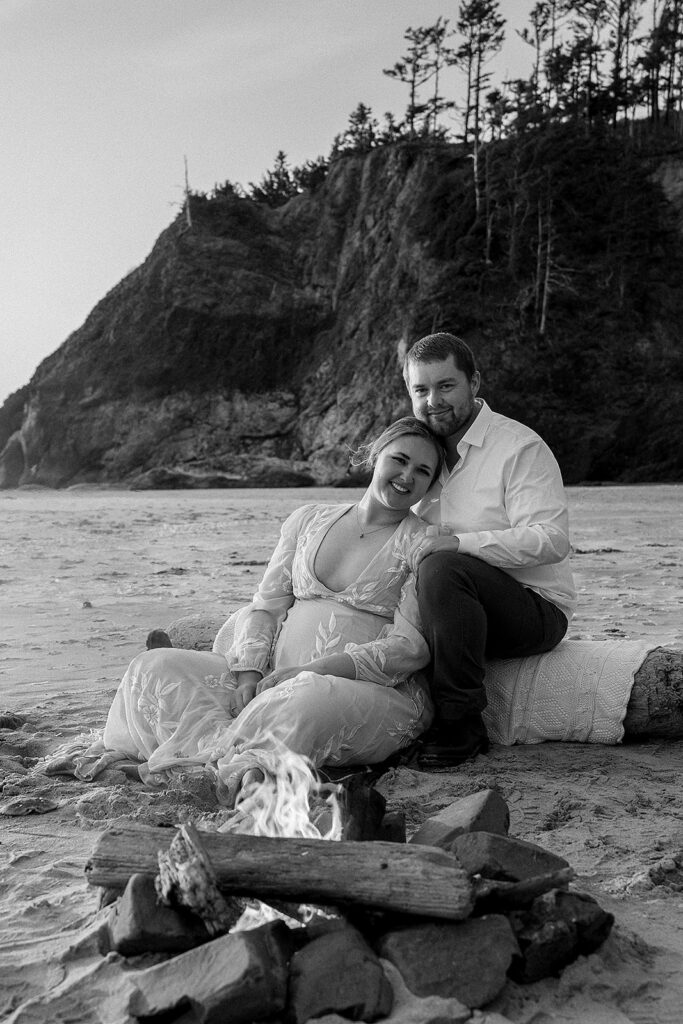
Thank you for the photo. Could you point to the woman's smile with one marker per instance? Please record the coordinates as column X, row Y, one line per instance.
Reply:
column 401, row 488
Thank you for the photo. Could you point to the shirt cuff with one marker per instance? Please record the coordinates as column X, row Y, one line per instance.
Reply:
column 468, row 543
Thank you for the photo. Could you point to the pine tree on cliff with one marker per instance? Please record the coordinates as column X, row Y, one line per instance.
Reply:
column 415, row 68
column 483, row 29
column 276, row 186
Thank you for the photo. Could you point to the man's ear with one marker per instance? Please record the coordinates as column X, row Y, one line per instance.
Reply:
column 475, row 382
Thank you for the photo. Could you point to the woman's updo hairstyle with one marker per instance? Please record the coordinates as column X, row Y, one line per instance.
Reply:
column 366, row 455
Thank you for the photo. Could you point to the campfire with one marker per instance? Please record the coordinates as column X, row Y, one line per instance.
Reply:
column 308, row 900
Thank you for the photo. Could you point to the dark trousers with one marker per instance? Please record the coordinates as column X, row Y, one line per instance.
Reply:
column 472, row 611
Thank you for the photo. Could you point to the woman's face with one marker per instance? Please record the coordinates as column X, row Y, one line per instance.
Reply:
column 404, row 471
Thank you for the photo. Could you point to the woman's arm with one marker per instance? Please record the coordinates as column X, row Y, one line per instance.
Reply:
column 399, row 650
column 332, row 665
column 247, row 638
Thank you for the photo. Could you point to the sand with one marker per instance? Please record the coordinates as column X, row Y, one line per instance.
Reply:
column 85, row 574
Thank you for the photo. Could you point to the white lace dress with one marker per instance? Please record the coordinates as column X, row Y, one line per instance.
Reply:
column 171, row 709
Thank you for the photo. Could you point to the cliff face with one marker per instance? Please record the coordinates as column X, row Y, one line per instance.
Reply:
column 254, row 347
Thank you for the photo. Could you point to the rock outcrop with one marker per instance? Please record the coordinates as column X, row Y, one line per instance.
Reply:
column 257, row 346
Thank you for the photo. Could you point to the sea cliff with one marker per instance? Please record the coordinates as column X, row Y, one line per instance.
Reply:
column 255, row 345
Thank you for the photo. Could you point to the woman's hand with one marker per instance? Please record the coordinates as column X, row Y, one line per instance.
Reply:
column 244, row 692
column 332, row 664
column 435, row 538
column 278, row 675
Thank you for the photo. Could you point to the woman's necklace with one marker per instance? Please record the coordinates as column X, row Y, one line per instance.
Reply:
column 366, row 533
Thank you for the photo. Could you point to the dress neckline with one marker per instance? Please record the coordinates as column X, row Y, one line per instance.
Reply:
column 325, row 529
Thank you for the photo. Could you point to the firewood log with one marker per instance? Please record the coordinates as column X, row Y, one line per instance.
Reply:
column 186, row 878
column 493, row 896
column 415, row 880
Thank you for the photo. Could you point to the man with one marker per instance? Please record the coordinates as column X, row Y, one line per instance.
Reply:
column 493, row 576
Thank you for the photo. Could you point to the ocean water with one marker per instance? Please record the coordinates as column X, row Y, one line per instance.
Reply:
column 86, row 573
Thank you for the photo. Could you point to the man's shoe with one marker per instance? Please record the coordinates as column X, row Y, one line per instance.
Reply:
column 433, row 756
column 440, row 750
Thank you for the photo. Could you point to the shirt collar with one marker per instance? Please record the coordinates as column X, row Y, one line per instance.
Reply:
column 475, row 435
column 476, row 432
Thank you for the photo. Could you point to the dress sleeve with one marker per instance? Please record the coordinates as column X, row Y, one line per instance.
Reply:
column 247, row 638
column 399, row 650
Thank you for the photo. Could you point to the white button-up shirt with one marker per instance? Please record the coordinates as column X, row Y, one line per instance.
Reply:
column 505, row 501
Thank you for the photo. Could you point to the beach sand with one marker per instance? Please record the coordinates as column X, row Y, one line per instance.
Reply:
column 85, row 574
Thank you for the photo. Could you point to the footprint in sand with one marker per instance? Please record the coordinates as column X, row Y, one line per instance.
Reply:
column 20, row 806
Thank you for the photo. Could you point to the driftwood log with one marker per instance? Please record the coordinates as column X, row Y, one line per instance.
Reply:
column 186, row 878
column 389, row 876
column 494, row 896
column 655, row 709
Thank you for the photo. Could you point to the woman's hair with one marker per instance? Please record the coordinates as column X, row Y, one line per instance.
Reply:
column 366, row 455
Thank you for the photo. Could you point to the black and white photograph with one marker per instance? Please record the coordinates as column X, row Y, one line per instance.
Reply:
column 341, row 511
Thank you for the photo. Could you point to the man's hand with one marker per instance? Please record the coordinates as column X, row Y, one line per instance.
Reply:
column 435, row 538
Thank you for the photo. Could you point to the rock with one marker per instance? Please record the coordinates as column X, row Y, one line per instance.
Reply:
column 158, row 638
column 559, row 927
column 8, row 720
column 195, row 632
column 107, row 897
column 493, row 1018
column 466, row 961
column 362, row 809
column 141, row 924
column 319, row 925
column 485, row 811
column 239, row 978
column 496, row 856
column 12, row 461
column 20, row 806
column 338, row 973
column 393, row 828
column 411, row 1009
column 168, row 478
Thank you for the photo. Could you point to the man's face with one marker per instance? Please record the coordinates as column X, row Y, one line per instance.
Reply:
column 442, row 396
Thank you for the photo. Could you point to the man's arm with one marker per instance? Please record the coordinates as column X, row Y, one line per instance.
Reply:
column 534, row 523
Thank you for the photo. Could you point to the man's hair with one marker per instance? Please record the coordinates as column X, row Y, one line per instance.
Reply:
column 367, row 454
column 434, row 348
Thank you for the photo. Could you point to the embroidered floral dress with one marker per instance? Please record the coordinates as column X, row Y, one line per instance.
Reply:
column 171, row 709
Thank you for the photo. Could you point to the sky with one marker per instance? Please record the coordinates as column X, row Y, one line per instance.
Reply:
column 101, row 101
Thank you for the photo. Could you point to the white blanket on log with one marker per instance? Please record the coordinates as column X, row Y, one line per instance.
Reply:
column 577, row 692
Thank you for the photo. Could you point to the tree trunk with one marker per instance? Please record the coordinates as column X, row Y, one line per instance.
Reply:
column 387, row 876
column 546, row 277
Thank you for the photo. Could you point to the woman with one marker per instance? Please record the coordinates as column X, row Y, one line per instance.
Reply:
column 322, row 660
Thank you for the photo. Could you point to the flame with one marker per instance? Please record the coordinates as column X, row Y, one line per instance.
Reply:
column 282, row 795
